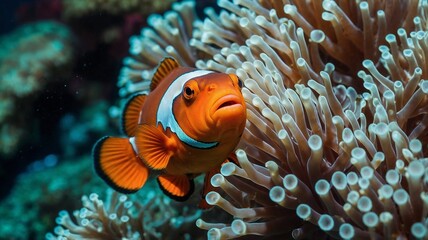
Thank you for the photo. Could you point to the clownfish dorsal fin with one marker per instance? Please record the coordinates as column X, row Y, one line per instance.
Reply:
column 131, row 114
column 115, row 156
column 177, row 187
column 154, row 146
column 165, row 67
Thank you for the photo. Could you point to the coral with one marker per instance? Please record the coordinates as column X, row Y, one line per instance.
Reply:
column 38, row 196
column 31, row 57
column 45, row 46
column 79, row 8
column 140, row 216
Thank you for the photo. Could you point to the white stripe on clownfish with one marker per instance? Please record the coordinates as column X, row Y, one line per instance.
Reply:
column 165, row 113
column 133, row 144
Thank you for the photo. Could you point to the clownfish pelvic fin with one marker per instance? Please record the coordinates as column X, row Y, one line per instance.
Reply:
column 116, row 162
column 176, row 187
column 155, row 148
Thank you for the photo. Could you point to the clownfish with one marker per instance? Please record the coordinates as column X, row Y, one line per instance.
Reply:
column 189, row 124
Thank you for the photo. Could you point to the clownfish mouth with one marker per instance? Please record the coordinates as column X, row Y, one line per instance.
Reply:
column 226, row 106
column 227, row 101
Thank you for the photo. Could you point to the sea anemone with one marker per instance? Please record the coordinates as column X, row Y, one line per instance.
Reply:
column 305, row 36
column 336, row 138
column 168, row 35
column 349, row 164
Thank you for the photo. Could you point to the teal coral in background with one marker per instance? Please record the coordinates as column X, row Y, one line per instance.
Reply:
column 29, row 210
column 145, row 215
column 31, row 57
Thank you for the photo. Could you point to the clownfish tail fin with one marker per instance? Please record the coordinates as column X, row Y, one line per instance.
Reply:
column 118, row 165
column 131, row 114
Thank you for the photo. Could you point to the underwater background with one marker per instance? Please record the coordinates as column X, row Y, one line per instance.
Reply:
column 336, row 138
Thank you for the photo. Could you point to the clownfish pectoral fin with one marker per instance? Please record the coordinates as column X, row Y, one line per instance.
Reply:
column 131, row 114
column 165, row 67
column 207, row 181
column 177, row 187
column 117, row 164
column 154, row 147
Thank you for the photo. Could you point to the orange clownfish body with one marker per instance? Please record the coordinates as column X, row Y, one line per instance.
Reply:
column 188, row 124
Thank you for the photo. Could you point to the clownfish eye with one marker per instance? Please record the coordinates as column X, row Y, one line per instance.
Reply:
column 188, row 92
column 240, row 83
